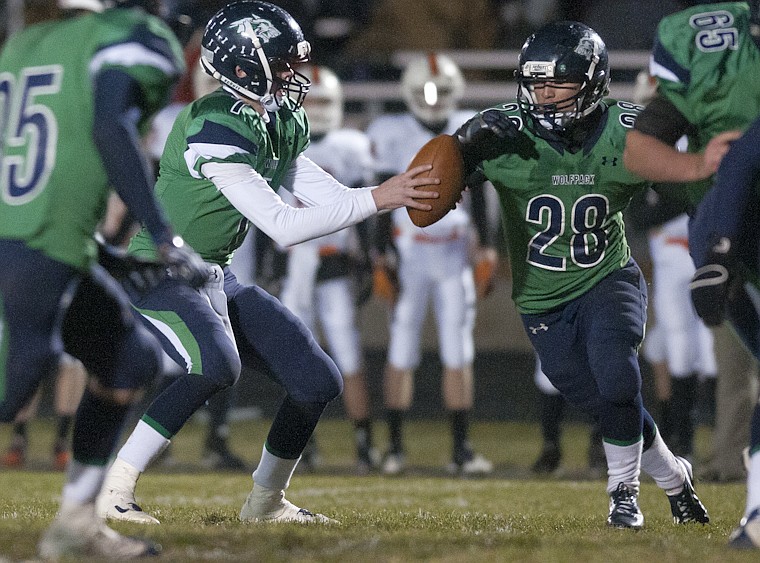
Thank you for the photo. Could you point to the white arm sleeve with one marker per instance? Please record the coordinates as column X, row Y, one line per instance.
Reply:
column 337, row 206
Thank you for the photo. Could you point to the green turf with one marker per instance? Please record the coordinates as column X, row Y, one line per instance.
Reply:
column 423, row 516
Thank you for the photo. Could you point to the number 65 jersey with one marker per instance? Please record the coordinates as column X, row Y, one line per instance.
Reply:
column 562, row 212
column 53, row 185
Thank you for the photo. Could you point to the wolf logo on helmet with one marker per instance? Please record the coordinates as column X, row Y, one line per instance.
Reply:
column 263, row 30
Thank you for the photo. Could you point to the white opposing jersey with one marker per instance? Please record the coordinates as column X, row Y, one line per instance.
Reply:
column 345, row 155
column 395, row 141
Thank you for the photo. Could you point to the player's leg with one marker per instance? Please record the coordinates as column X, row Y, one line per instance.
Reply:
column 552, row 409
column 69, row 387
column 265, row 329
column 100, row 330
column 613, row 332
column 679, row 322
column 15, row 455
column 193, row 328
column 404, row 336
column 216, row 450
column 299, row 295
column 454, row 307
column 558, row 340
column 745, row 318
column 337, row 315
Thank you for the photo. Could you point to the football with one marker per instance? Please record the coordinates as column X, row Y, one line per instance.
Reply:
column 444, row 154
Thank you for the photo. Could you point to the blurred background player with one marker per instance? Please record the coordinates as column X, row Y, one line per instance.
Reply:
column 328, row 277
column 69, row 385
column 725, row 237
column 679, row 347
column 98, row 76
column 706, row 60
column 431, row 264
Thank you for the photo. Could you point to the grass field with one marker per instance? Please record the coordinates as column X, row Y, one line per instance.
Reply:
column 422, row 516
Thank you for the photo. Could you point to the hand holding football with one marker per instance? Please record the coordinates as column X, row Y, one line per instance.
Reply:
column 444, row 154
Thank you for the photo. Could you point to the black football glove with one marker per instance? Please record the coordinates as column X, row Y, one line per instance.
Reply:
column 137, row 273
column 183, row 263
column 490, row 134
column 711, row 285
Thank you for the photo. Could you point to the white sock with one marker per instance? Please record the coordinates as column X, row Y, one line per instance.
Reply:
column 274, row 472
column 660, row 464
column 623, row 465
column 143, row 446
column 753, row 483
column 83, row 483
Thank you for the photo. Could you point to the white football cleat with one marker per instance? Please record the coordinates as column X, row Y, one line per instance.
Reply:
column 267, row 505
column 117, row 497
column 478, row 465
column 393, row 464
column 79, row 532
column 747, row 534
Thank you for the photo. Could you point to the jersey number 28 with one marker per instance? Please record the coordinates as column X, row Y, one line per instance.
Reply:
column 588, row 241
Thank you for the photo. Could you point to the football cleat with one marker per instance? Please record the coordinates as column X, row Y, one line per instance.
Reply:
column 121, row 505
column 14, row 458
column 475, row 465
column 624, row 508
column 394, row 463
column 367, row 460
column 267, row 505
column 78, row 532
column 686, row 506
column 747, row 534
column 61, row 455
column 117, row 497
column 549, row 459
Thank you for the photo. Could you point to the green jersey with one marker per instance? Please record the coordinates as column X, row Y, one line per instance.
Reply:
column 53, row 185
column 562, row 212
column 708, row 66
column 219, row 128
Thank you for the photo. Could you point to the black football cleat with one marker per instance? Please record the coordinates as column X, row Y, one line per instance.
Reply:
column 624, row 508
column 549, row 459
column 686, row 506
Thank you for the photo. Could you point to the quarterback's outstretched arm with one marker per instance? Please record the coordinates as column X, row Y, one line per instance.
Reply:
column 334, row 206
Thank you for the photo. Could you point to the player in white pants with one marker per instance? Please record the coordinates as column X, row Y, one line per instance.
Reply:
column 681, row 343
column 321, row 282
column 434, row 264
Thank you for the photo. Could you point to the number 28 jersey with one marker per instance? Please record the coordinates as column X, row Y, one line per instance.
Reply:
column 562, row 212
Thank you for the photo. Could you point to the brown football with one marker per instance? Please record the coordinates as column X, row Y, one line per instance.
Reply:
column 444, row 154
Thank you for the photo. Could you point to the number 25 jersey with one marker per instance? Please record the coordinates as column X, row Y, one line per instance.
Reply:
column 562, row 212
